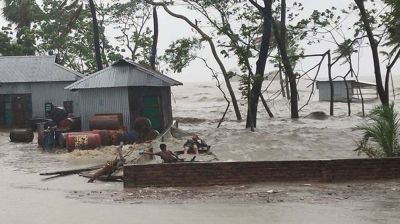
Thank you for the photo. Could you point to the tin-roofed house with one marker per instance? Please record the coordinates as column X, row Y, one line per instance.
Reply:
column 127, row 88
column 29, row 84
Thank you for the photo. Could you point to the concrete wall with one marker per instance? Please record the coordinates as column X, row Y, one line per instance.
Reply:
column 339, row 88
column 103, row 100
column 43, row 92
column 221, row 173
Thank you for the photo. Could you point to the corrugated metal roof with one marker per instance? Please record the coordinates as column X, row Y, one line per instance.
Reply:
column 16, row 69
column 121, row 74
column 355, row 83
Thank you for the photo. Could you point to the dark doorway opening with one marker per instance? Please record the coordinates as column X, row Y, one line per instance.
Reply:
column 15, row 110
column 151, row 110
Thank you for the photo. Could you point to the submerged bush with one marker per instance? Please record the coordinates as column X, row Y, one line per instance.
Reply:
column 380, row 135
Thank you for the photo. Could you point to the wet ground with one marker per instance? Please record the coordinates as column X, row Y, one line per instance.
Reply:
column 26, row 197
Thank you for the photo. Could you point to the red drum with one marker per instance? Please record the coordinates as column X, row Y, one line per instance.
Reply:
column 82, row 141
column 106, row 122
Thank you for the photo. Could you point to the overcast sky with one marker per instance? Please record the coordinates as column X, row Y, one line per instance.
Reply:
column 198, row 72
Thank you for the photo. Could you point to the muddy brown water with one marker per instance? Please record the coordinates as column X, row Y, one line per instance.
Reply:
column 26, row 197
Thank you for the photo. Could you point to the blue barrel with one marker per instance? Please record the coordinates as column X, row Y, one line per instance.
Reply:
column 48, row 140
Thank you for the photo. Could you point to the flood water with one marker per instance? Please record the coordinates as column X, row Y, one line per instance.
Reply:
column 26, row 197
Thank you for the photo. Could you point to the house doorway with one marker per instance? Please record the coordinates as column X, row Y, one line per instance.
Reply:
column 151, row 110
column 15, row 110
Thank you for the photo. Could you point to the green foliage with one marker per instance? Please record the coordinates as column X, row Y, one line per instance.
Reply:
column 393, row 24
column 131, row 19
column 180, row 53
column 22, row 45
column 21, row 12
column 381, row 135
column 26, row 39
column 345, row 49
column 234, row 27
column 246, row 82
column 66, row 31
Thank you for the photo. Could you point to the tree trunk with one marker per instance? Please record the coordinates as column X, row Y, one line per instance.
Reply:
column 270, row 114
column 332, row 90
column 347, row 96
column 96, row 36
column 155, row 39
column 260, row 65
column 287, row 87
column 281, row 81
column 213, row 50
column 281, row 42
column 382, row 92
column 103, row 42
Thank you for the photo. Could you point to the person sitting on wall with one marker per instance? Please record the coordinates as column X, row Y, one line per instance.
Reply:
column 166, row 155
column 193, row 145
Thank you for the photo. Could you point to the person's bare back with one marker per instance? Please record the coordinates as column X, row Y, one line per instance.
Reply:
column 167, row 156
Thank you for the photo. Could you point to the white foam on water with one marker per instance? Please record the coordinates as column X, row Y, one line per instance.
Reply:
column 278, row 138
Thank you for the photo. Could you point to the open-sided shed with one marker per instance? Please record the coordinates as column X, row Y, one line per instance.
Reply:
column 127, row 88
column 343, row 89
column 28, row 84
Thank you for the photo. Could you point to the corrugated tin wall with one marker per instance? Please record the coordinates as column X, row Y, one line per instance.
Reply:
column 105, row 100
column 52, row 93
column 43, row 92
column 18, row 88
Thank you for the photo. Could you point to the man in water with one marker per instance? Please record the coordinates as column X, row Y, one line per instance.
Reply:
column 166, row 155
column 193, row 145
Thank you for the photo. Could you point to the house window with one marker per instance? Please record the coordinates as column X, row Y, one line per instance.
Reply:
column 48, row 107
column 68, row 106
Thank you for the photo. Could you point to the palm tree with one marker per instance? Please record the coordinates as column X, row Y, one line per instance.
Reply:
column 393, row 26
column 380, row 137
column 21, row 12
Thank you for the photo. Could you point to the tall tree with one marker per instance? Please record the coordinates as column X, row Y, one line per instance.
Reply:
column 207, row 38
column 281, row 39
column 389, row 20
column 255, row 91
column 96, row 36
column 23, row 13
column 66, row 31
column 131, row 19
column 247, row 42
column 383, row 94
column 155, row 39
column 373, row 24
